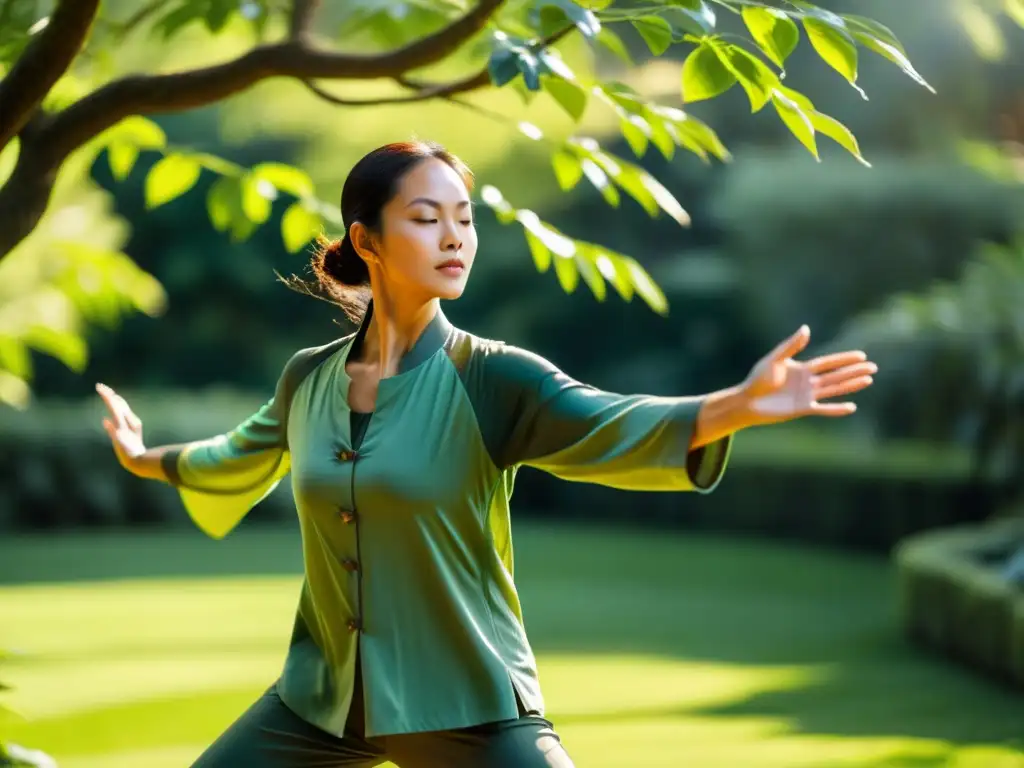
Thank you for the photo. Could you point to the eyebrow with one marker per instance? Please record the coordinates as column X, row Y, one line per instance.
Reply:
column 434, row 203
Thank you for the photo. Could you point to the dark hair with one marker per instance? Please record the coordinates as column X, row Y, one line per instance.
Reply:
column 341, row 274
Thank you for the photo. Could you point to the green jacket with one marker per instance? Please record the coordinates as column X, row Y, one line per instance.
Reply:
column 407, row 540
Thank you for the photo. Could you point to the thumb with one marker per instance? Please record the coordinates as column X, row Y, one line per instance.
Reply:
column 792, row 346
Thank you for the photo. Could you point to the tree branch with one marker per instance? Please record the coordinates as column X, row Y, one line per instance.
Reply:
column 153, row 94
column 425, row 91
column 301, row 20
column 43, row 63
column 421, row 92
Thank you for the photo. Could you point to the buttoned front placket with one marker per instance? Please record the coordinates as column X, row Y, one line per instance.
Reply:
column 349, row 515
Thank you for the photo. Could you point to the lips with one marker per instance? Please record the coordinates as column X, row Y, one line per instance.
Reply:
column 451, row 264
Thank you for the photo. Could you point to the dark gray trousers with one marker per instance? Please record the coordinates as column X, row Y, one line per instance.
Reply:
column 269, row 735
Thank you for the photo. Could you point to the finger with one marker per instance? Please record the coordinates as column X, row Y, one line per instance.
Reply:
column 837, row 360
column 833, row 410
column 134, row 421
column 107, row 396
column 847, row 387
column 793, row 345
column 845, row 373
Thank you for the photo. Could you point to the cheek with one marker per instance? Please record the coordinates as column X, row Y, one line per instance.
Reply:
column 408, row 249
column 469, row 244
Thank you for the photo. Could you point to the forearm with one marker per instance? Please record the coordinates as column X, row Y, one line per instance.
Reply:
column 149, row 464
column 721, row 414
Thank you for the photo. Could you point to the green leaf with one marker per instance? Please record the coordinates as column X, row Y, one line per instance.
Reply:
column 704, row 136
column 15, row 357
column 530, row 68
column 502, row 66
column 655, row 31
column 174, row 21
column 635, row 131
column 569, row 96
column 299, row 225
column 798, row 122
column 223, row 202
column 140, row 131
column 699, row 13
column 641, row 186
column 568, row 276
column 773, row 30
column 835, row 46
column 839, row 133
column 568, row 170
column 591, row 276
column 540, row 252
column 68, row 348
column 218, row 12
column 756, row 77
column 285, row 178
column 121, row 156
column 660, row 135
column 596, row 176
column 613, row 43
column 612, row 266
column 864, row 25
column 496, row 201
column 645, row 286
column 584, row 19
column 171, row 177
column 893, row 54
column 257, row 198
column 704, row 75
column 553, row 240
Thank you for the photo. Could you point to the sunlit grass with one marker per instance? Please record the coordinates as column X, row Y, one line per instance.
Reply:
column 654, row 651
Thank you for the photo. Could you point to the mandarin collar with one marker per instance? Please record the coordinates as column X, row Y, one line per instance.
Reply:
column 431, row 339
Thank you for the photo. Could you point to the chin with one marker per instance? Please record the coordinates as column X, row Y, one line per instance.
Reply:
column 449, row 292
column 448, row 289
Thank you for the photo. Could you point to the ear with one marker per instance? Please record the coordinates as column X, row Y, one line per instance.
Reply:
column 363, row 242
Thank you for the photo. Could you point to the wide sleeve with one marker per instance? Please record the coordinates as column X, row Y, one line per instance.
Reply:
column 577, row 432
column 221, row 478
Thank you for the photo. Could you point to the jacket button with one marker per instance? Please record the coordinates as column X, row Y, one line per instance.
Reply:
column 347, row 455
column 350, row 565
column 355, row 625
column 348, row 516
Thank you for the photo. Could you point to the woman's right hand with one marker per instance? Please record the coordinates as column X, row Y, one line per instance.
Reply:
column 123, row 427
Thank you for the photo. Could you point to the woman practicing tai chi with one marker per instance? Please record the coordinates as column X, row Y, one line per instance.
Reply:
column 403, row 441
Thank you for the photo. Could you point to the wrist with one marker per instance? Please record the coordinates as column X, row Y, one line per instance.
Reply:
column 723, row 413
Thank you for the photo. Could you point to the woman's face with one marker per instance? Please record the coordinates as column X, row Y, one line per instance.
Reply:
column 428, row 241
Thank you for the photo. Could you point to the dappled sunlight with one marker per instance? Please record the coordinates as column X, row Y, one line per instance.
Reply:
column 147, row 672
column 583, row 687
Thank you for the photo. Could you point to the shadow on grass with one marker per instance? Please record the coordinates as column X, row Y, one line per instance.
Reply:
column 695, row 599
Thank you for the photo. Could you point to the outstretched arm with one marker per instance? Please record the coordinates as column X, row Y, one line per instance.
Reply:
column 640, row 442
column 221, row 478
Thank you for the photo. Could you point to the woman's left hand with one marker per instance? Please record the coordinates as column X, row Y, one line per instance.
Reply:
column 780, row 388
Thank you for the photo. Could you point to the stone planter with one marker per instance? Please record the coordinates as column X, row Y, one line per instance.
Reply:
column 957, row 596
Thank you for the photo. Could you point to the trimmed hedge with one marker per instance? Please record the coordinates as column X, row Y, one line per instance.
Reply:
column 57, row 470
column 954, row 601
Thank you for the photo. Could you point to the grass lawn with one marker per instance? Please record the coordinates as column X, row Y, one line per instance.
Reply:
column 655, row 651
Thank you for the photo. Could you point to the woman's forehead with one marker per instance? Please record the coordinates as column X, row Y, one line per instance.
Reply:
column 432, row 179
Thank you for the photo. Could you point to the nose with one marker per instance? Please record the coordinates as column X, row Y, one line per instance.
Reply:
column 451, row 241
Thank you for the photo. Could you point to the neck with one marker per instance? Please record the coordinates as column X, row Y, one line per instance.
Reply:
column 396, row 325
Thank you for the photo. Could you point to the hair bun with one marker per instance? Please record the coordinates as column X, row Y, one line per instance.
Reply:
column 341, row 262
